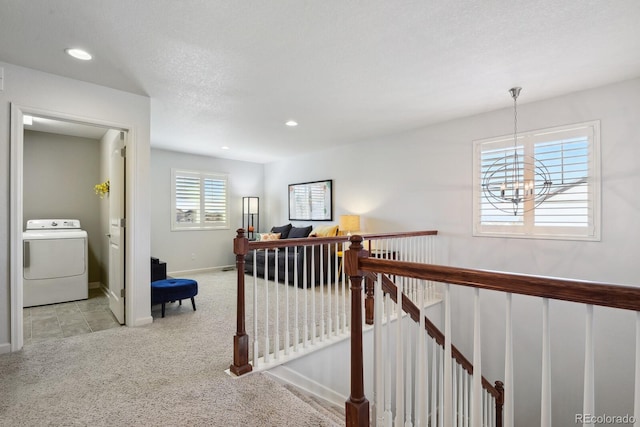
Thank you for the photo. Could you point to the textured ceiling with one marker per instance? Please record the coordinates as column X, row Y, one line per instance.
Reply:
column 230, row 73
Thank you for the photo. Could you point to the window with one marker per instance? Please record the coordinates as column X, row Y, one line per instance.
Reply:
column 571, row 210
column 199, row 200
column 311, row 201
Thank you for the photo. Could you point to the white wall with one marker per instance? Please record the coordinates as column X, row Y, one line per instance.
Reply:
column 41, row 91
column 422, row 179
column 198, row 249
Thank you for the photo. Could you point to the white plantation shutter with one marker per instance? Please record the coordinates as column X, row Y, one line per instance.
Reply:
column 199, row 200
column 572, row 207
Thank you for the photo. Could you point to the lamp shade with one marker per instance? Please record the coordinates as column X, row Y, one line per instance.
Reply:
column 250, row 205
column 349, row 223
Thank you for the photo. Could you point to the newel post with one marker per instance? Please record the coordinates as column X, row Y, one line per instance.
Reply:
column 241, row 339
column 357, row 406
column 499, row 403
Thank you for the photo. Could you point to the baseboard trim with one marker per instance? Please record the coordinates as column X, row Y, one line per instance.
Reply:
column 199, row 270
column 5, row 348
column 95, row 285
column 287, row 375
column 142, row 321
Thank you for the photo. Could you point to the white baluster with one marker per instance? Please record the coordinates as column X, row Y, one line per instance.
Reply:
column 256, row 341
column 276, row 337
column 435, row 390
column 545, row 406
column 296, row 329
column 322, row 314
column 344, row 292
column 448, row 384
column 508, row 365
column 337, row 285
column 305, row 286
column 267, row 348
column 455, row 391
column 286, row 298
column 312, row 286
column 422, row 368
column 441, row 414
column 636, row 398
column 388, row 416
column 588, row 402
column 399, row 420
column 477, row 362
column 378, row 373
column 408, row 351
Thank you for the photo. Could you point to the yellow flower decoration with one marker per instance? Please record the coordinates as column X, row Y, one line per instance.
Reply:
column 102, row 189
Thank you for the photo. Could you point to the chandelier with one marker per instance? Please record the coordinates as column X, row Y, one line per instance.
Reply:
column 517, row 182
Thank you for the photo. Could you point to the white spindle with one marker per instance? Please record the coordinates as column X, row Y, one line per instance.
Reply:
column 296, row 328
column 256, row 341
column 267, row 349
column 422, row 369
column 399, row 421
column 312, row 286
column 286, row 299
column 408, row 378
column 588, row 403
column 508, row 365
column 305, row 285
column 322, row 314
column 454, row 392
column 435, row 390
column 441, row 354
column 636, row 399
column 388, row 416
column 477, row 362
column 448, row 385
column 378, row 373
column 276, row 337
column 468, row 392
column 344, row 292
column 545, row 406
column 337, row 284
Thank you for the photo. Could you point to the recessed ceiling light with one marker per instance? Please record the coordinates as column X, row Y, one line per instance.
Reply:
column 27, row 120
column 225, row 147
column 79, row 54
column 291, row 123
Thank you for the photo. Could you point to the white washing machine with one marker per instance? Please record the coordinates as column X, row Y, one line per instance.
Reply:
column 55, row 253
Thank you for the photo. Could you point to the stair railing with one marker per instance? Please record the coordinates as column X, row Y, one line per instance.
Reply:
column 297, row 292
column 359, row 265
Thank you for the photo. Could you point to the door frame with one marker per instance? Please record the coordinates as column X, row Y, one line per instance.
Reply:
column 16, row 205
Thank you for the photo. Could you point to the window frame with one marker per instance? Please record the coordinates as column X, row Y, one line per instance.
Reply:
column 200, row 224
column 528, row 140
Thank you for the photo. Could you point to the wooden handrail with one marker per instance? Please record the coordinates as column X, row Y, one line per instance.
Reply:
column 412, row 310
column 306, row 241
column 579, row 291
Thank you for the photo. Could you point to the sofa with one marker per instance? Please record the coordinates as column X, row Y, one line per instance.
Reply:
column 292, row 258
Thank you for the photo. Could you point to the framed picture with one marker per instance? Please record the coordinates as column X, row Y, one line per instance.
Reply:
column 311, row 201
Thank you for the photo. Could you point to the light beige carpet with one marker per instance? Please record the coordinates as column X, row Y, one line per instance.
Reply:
column 169, row 373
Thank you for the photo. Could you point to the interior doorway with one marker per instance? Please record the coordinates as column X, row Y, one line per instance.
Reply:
column 108, row 255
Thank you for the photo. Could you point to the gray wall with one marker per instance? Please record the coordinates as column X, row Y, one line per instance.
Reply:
column 59, row 174
column 422, row 179
column 187, row 250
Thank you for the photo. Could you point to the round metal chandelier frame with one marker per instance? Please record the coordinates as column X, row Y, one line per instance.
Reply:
column 516, row 182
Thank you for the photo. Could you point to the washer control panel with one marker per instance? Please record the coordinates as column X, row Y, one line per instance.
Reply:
column 53, row 224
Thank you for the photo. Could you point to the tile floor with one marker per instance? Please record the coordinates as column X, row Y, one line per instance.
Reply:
column 66, row 319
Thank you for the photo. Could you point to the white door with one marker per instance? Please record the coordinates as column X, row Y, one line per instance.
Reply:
column 116, row 226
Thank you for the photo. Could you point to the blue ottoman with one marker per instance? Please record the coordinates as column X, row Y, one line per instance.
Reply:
column 169, row 290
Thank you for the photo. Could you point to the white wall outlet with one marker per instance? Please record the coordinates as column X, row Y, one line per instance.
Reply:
column 193, row 257
column 1, row 78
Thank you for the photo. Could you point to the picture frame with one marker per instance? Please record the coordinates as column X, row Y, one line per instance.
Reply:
column 311, row 201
